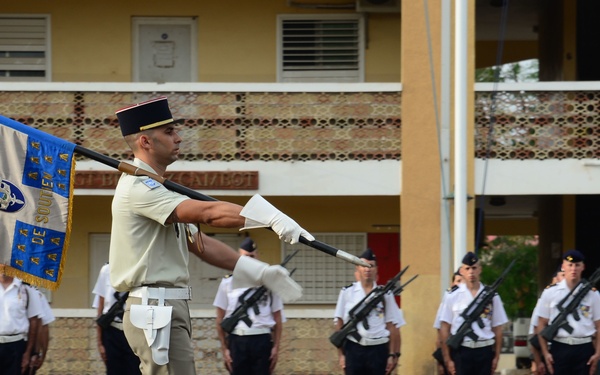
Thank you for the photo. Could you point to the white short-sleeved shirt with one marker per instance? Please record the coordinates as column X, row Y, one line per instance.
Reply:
column 46, row 316
column 143, row 250
column 227, row 299
column 437, row 323
column 104, row 289
column 457, row 301
column 385, row 312
column 18, row 303
column 535, row 318
column 588, row 310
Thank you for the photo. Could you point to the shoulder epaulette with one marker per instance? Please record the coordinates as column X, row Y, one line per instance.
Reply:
column 550, row 286
column 452, row 289
column 347, row 286
column 228, row 276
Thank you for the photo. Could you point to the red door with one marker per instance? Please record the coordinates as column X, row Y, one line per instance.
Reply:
column 386, row 247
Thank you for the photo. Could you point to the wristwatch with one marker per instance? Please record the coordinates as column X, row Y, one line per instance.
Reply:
column 396, row 355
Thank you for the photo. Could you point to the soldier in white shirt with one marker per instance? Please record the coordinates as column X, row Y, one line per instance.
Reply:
column 437, row 354
column 255, row 349
column 43, row 336
column 478, row 357
column 573, row 353
column 19, row 322
column 538, row 366
column 112, row 344
column 378, row 350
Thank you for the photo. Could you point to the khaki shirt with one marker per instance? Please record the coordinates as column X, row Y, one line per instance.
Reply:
column 143, row 250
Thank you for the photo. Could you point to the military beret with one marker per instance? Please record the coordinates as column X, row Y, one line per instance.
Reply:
column 573, row 256
column 368, row 255
column 248, row 245
column 470, row 259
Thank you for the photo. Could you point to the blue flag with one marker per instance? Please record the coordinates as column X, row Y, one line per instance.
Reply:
column 37, row 172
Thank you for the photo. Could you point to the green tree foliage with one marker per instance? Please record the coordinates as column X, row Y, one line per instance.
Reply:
column 519, row 289
column 522, row 71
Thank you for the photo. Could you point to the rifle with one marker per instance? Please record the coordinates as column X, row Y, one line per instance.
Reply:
column 473, row 312
column 576, row 295
column 117, row 308
column 241, row 312
column 360, row 312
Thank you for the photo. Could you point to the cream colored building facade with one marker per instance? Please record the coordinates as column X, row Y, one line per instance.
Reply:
column 357, row 155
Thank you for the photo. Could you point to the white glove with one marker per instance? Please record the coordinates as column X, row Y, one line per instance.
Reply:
column 249, row 273
column 259, row 214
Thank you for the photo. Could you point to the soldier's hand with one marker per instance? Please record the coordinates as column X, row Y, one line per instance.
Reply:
column 549, row 363
column 342, row 361
column 593, row 363
column 273, row 359
column 227, row 360
column 494, row 365
column 391, row 364
column 540, row 369
column 451, row 367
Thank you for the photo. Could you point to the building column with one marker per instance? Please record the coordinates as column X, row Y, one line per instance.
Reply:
column 425, row 241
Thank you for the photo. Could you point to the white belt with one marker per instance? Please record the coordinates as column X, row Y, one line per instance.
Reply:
column 364, row 341
column 170, row 293
column 251, row 331
column 573, row 340
column 11, row 338
column 477, row 344
column 117, row 325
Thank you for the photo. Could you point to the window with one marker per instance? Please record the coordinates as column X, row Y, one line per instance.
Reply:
column 24, row 48
column 320, row 48
column 321, row 275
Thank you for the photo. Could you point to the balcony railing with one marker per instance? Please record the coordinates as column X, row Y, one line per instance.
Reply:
column 313, row 122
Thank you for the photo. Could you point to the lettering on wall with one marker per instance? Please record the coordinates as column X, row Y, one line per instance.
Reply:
column 213, row 180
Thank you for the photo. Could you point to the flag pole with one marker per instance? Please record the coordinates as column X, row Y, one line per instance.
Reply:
column 133, row 170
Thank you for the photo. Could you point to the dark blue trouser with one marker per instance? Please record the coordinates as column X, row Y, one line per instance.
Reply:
column 250, row 354
column 571, row 359
column 120, row 359
column 365, row 360
column 11, row 355
column 473, row 361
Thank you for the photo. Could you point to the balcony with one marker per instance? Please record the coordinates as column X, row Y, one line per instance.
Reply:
column 539, row 121
column 547, row 125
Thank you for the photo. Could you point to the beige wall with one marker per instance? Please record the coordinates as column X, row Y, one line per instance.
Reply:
column 237, row 39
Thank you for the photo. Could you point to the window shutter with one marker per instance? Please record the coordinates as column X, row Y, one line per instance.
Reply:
column 321, row 50
column 23, row 48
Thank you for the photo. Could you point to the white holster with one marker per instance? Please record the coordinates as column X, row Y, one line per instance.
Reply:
column 155, row 321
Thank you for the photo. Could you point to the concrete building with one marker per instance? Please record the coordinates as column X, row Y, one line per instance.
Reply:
column 341, row 114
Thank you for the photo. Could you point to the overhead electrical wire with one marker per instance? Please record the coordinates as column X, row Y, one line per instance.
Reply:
column 490, row 133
